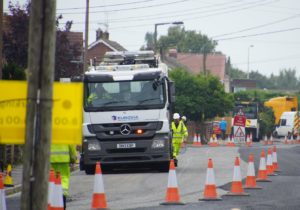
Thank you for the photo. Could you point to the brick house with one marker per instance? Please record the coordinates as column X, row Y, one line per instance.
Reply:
column 193, row 62
column 98, row 48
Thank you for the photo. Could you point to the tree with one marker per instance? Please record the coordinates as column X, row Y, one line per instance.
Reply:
column 149, row 40
column 200, row 97
column 15, row 39
column 66, row 53
column 15, row 36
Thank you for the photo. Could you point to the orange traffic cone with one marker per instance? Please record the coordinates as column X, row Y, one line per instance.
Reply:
column 51, row 189
column 237, row 186
column 262, row 171
column 99, row 198
column 275, row 161
column 292, row 140
column 2, row 195
column 210, row 192
column 270, row 141
column 251, row 179
column 266, row 140
column 228, row 142
column 172, row 196
column 270, row 169
column 57, row 198
column 286, row 140
column 248, row 142
column 197, row 141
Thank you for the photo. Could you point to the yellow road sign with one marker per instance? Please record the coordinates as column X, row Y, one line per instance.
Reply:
column 66, row 116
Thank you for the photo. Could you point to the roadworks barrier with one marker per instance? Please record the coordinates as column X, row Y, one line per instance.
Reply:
column 172, row 195
column 99, row 197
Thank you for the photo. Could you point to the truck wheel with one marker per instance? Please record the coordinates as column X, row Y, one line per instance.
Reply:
column 275, row 134
column 90, row 169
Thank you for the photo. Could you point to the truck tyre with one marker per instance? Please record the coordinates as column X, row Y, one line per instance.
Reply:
column 89, row 169
column 275, row 134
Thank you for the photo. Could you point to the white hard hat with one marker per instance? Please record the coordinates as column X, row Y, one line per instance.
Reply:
column 184, row 118
column 176, row 116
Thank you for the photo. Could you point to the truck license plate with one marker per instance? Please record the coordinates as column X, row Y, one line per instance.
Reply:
column 126, row 145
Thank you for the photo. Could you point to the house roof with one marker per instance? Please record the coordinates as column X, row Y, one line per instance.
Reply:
column 194, row 62
column 243, row 83
column 111, row 44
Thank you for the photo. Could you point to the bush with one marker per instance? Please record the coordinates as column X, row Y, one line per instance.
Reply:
column 12, row 72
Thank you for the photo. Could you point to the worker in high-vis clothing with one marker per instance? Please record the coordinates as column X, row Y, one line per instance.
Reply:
column 61, row 157
column 180, row 133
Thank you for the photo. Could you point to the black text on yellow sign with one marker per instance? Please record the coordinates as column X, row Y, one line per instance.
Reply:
column 66, row 112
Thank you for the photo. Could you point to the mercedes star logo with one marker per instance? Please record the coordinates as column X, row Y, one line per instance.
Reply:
column 125, row 129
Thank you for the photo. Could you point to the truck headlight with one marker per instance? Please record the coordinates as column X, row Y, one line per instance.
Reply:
column 93, row 146
column 158, row 144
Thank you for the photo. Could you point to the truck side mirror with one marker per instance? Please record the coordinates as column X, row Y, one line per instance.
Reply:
column 171, row 91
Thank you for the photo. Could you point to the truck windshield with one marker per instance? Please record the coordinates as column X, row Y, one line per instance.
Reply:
column 120, row 95
column 250, row 110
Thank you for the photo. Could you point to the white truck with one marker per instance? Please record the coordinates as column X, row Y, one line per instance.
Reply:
column 128, row 122
column 289, row 124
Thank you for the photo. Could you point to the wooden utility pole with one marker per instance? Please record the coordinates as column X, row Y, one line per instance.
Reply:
column 41, row 51
column 86, row 37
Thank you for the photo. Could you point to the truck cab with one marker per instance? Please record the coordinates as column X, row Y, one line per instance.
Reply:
column 127, row 105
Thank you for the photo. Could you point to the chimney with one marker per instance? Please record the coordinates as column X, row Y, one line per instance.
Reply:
column 101, row 35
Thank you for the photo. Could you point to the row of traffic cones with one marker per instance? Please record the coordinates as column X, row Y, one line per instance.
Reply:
column 291, row 140
column 237, row 189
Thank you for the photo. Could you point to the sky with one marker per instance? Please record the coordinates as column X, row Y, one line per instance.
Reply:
column 262, row 33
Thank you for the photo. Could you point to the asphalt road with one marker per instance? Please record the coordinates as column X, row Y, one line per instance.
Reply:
column 145, row 189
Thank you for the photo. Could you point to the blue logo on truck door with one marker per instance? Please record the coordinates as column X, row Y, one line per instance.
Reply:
column 125, row 118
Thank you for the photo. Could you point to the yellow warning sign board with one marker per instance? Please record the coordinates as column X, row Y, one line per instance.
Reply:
column 66, row 113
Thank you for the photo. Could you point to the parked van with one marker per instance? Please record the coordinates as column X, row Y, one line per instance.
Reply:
column 288, row 124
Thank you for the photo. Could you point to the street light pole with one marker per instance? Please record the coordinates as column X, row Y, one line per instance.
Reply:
column 248, row 63
column 159, row 24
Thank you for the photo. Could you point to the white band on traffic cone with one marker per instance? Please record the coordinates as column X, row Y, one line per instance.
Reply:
column 210, row 177
column 172, row 181
column 237, row 174
column 98, row 187
column 251, row 170
column 262, row 164
column 58, row 196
